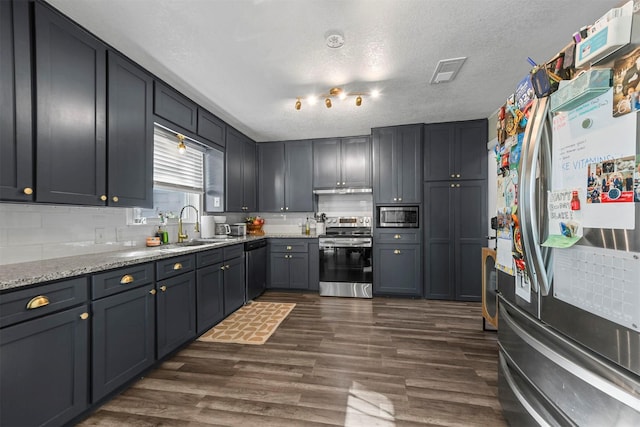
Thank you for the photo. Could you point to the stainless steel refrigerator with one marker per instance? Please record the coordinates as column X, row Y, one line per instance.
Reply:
column 569, row 332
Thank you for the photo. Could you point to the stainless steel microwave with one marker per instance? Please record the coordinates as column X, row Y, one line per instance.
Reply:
column 398, row 216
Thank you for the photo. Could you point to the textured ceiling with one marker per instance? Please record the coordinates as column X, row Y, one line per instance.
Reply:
column 248, row 60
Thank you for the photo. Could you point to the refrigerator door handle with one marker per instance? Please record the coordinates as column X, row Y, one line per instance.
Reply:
column 536, row 135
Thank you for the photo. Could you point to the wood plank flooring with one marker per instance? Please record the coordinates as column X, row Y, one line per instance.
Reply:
column 334, row 361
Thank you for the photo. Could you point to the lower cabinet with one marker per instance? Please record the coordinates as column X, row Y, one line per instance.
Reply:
column 396, row 269
column 175, row 303
column 209, row 290
column 44, row 360
column 289, row 264
column 233, row 278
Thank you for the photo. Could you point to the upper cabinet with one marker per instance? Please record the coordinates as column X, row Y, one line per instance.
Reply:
column 175, row 107
column 285, row 176
column 240, row 173
column 342, row 163
column 71, row 86
column 129, row 134
column 211, row 128
column 455, row 151
column 397, row 164
column 16, row 137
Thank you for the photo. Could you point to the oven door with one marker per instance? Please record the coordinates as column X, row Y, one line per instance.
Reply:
column 345, row 267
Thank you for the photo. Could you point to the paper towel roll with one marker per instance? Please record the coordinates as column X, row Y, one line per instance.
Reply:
column 207, row 227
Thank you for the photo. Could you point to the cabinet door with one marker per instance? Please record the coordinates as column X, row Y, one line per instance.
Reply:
column 233, row 285
column 299, row 271
column 314, row 265
column 385, row 170
column 70, row 111
column 271, row 180
column 130, row 134
column 176, row 312
column 211, row 128
column 249, row 176
column 209, row 296
column 326, row 163
column 471, row 149
column 299, row 176
column 278, row 270
column 470, row 201
column 234, row 175
column 439, row 240
column 397, row 270
column 16, row 136
column 123, row 339
column 409, row 165
column 356, row 162
column 44, row 374
column 438, row 152
column 175, row 107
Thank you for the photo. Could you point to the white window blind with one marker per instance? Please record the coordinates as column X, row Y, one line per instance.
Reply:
column 171, row 169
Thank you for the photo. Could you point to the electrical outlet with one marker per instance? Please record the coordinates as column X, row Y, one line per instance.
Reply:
column 100, row 236
column 216, row 202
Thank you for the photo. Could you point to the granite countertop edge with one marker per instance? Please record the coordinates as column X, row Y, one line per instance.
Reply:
column 17, row 275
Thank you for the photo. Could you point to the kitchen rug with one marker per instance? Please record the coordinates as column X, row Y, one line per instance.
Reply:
column 252, row 324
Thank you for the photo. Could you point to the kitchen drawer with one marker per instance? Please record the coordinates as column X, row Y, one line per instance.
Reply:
column 174, row 266
column 397, row 236
column 120, row 280
column 288, row 245
column 44, row 298
column 207, row 258
column 234, row 251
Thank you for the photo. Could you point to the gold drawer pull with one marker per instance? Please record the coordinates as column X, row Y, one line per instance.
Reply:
column 126, row 279
column 84, row 316
column 397, row 236
column 163, row 288
column 396, row 251
column 28, row 191
column 37, row 302
column 103, row 198
column 177, row 266
column 152, row 291
column 288, row 248
column 115, row 198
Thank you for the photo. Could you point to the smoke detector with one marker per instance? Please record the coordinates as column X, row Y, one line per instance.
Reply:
column 447, row 69
column 335, row 39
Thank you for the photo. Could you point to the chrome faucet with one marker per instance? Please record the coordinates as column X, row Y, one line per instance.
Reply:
column 181, row 236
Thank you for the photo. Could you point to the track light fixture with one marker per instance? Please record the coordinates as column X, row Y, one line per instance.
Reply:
column 335, row 92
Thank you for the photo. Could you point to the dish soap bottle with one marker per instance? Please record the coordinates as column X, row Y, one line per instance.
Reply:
column 307, row 227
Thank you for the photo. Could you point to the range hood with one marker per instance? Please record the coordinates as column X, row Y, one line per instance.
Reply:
column 343, row 190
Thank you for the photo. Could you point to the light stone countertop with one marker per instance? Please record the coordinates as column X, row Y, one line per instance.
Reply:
column 28, row 273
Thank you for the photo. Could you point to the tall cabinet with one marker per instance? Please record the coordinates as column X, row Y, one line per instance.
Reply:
column 455, row 209
column 241, row 173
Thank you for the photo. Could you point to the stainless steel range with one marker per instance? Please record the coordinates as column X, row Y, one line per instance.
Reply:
column 345, row 257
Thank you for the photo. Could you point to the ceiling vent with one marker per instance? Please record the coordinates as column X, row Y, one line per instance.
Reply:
column 447, row 70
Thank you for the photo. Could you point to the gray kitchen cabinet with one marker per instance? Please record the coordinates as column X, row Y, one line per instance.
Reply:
column 71, row 88
column 285, row 180
column 240, row 173
column 129, row 134
column 211, row 128
column 209, row 289
column 233, row 283
column 175, row 303
column 44, row 347
column 175, row 107
column 123, row 327
column 342, row 163
column 289, row 264
column 397, row 262
column 455, row 222
column 455, row 151
column 16, row 134
column 397, row 167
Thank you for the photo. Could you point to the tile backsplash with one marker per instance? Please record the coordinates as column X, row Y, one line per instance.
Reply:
column 32, row 232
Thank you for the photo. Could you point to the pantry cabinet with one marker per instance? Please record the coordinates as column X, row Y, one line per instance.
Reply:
column 240, row 173
column 16, row 134
column 285, row 177
column 397, row 164
column 342, row 163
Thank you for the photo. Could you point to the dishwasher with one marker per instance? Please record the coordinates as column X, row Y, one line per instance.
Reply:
column 256, row 269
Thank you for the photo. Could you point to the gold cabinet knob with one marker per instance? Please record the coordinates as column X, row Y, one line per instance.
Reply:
column 115, row 198
column 457, row 175
column 399, row 199
column 163, row 288
column 222, row 268
column 337, row 183
column 453, row 185
column 37, row 302
column 126, row 279
column 396, row 251
column 153, row 291
column 28, row 191
column 177, row 266
column 453, row 176
column 397, row 236
column 84, row 316
column 103, row 198
column 457, row 185
column 288, row 248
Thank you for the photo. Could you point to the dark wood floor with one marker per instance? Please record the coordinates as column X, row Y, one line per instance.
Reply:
column 333, row 361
